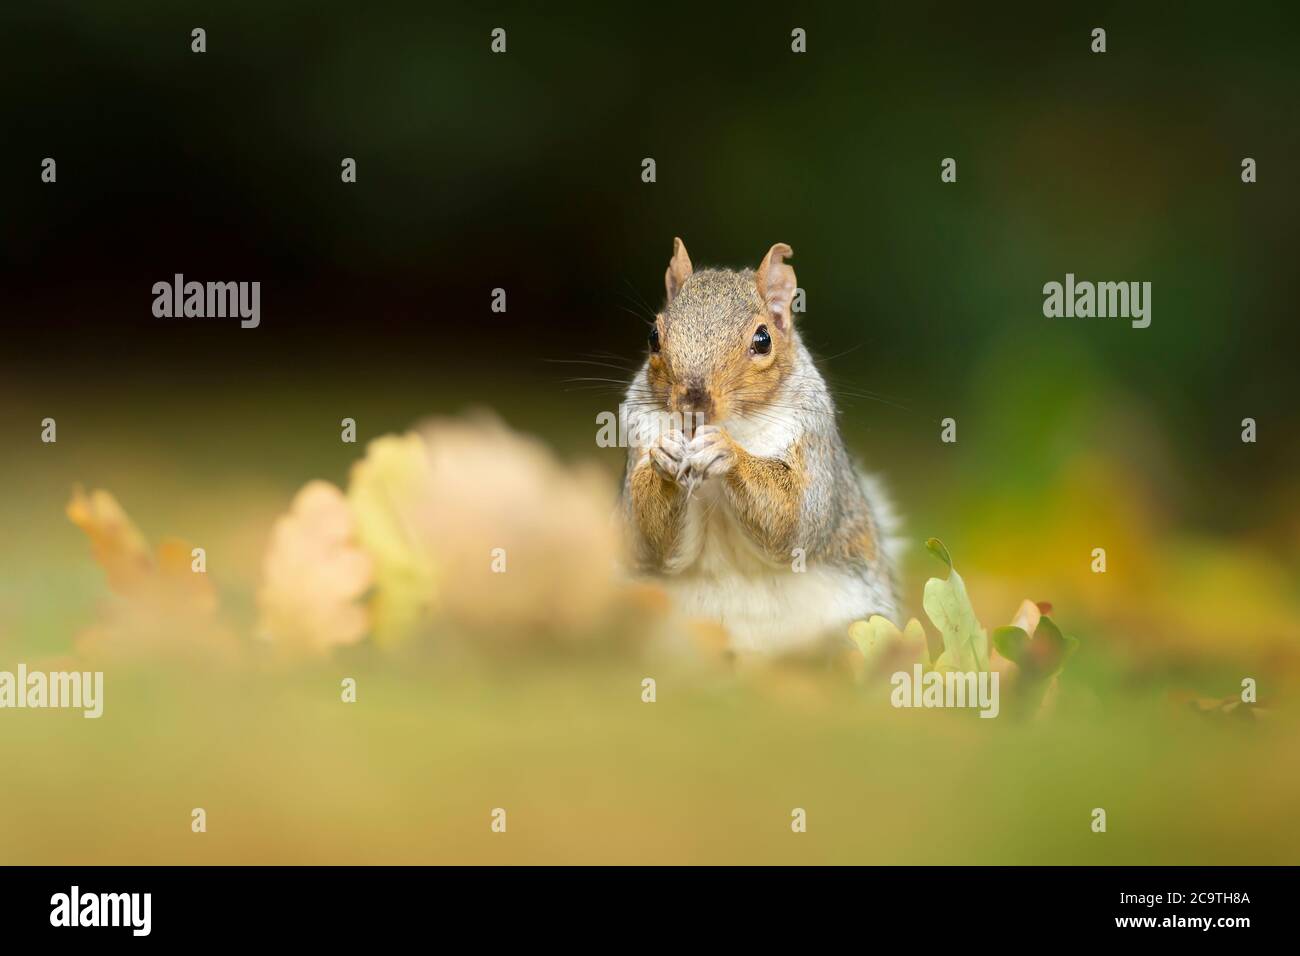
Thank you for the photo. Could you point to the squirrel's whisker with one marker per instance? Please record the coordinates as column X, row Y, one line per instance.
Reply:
column 712, row 498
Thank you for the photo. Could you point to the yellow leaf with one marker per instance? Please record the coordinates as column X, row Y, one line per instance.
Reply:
column 314, row 574
column 115, row 541
column 480, row 528
column 389, row 493
column 164, row 608
column 884, row 647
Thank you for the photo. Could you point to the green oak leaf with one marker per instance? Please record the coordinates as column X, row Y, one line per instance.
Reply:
column 1039, row 657
column 1012, row 643
column 965, row 644
column 1051, row 649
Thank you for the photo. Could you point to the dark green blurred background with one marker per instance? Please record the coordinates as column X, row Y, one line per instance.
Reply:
column 522, row 171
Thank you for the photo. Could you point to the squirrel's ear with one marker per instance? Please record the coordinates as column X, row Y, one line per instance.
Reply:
column 679, row 269
column 775, row 282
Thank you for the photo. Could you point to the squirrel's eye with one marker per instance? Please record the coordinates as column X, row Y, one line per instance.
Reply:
column 762, row 342
column 654, row 340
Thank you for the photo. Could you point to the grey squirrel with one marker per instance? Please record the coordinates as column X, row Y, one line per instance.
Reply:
column 739, row 494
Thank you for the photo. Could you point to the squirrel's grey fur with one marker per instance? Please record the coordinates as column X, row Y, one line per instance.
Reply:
column 842, row 531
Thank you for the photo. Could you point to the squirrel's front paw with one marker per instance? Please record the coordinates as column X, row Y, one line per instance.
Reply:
column 711, row 453
column 668, row 455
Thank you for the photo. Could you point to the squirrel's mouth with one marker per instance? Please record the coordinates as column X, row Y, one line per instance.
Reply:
column 696, row 405
column 693, row 417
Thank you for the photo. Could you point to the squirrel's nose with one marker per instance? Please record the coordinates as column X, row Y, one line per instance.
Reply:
column 696, row 406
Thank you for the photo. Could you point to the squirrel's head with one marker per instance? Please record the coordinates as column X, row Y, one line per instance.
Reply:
column 725, row 341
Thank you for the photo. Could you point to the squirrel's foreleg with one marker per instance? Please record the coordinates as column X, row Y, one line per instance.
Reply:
column 656, row 512
column 766, row 495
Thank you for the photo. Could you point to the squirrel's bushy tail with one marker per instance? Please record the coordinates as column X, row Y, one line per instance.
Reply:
column 889, row 524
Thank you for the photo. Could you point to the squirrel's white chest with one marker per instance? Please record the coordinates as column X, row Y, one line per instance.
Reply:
column 766, row 607
column 715, row 543
column 724, row 546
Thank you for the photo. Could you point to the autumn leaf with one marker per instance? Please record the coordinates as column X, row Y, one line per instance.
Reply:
column 480, row 529
column 965, row 644
column 885, row 648
column 314, row 575
column 164, row 578
column 389, row 491
column 162, row 607
column 1040, row 655
column 1216, row 708
column 115, row 542
column 1038, row 649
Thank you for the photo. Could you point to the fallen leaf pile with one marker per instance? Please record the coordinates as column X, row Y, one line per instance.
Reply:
column 478, row 528
column 461, row 525
column 1031, row 651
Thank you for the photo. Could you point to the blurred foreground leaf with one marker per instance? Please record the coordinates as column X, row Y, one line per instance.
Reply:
column 164, row 603
column 884, row 647
column 946, row 603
